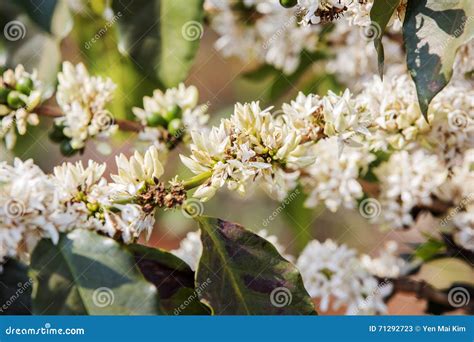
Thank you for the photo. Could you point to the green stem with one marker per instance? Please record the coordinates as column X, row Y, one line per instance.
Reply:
column 195, row 181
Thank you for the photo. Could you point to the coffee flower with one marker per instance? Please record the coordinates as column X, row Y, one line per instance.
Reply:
column 335, row 275
column 169, row 116
column 20, row 94
column 83, row 100
column 394, row 108
column 250, row 146
column 261, row 31
column 27, row 202
column 408, row 180
column 333, row 178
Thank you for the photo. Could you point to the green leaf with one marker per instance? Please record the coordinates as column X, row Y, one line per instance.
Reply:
column 433, row 30
column 15, row 289
column 52, row 16
column 299, row 218
column 380, row 14
column 243, row 274
column 86, row 273
column 161, row 36
column 173, row 278
column 430, row 249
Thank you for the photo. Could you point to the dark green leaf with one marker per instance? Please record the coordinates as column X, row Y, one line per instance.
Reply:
column 243, row 274
column 50, row 15
column 162, row 36
column 15, row 289
column 86, row 273
column 433, row 30
column 380, row 14
column 173, row 278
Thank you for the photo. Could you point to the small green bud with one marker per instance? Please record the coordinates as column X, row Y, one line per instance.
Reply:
column 288, row 3
column 57, row 135
column 4, row 95
column 66, row 149
column 156, row 120
column 175, row 127
column 25, row 85
column 174, row 112
column 93, row 207
column 14, row 100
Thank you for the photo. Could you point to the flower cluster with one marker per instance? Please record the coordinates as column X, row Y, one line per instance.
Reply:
column 408, row 180
column 34, row 205
column 251, row 146
column 83, row 100
column 336, row 276
column 168, row 117
column 263, row 31
column 20, row 94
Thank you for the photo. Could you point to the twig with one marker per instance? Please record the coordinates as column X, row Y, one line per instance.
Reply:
column 424, row 290
column 55, row 112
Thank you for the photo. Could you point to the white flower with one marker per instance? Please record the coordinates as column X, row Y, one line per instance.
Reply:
column 15, row 119
column 83, row 100
column 190, row 249
column 182, row 100
column 333, row 178
column 408, row 180
column 27, row 201
column 394, row 109
column 251, row 145
column 74, row 178
column 464, row 234
column 261, row 31
column 387, row 264
column 137, row 171
column 335, row 275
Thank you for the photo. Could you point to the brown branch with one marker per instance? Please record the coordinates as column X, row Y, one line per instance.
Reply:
column 423, row 290
column 55, row 112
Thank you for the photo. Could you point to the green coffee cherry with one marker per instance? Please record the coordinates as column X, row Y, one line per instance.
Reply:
column 156, row 120
column 57, row 134
column 14, row 100
column 24, row 85
column 288, row 3
column 173, row 112
column 3, row 95
column 175, row 127
column 66, row 149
